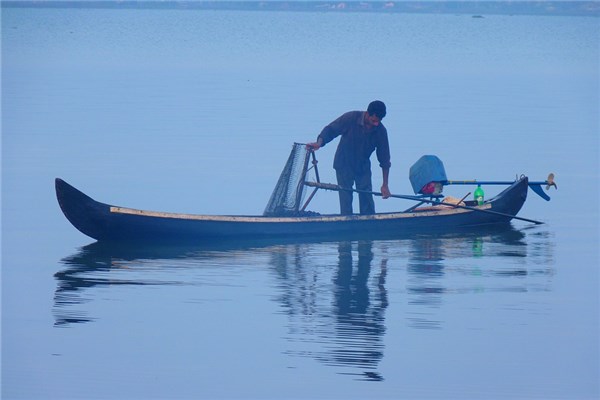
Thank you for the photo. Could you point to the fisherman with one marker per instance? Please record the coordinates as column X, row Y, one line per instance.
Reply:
column 361, row 133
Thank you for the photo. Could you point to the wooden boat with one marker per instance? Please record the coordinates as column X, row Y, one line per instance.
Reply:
column 108, row 223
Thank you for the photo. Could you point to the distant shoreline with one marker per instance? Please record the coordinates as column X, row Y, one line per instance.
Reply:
column 475, row 8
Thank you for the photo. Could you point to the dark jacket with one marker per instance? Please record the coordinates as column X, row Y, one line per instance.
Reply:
column 357, row 143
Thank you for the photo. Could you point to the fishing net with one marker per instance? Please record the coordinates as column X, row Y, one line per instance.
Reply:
column 287, row 197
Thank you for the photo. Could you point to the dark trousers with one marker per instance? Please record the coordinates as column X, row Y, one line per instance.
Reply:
column 347, row 179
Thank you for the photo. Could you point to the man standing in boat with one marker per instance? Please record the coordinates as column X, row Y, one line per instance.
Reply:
column 361, row 133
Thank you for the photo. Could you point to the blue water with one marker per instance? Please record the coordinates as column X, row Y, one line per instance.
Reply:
column 196, row 111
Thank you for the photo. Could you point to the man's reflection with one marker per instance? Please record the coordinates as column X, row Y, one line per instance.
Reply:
column 349, row 327
column 360, row 320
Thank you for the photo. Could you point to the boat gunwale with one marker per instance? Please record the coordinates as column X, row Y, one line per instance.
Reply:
column 296, row 219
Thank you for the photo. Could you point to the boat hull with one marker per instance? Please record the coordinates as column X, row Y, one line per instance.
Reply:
column 105, row 222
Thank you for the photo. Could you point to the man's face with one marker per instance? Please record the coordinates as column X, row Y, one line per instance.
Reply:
column 371, row 121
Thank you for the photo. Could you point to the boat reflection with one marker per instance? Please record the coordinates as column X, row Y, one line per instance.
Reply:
column 438, row 267
column 100, row 265
column 335, row 296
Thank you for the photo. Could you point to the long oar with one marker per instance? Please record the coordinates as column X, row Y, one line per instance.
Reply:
column 330, row 186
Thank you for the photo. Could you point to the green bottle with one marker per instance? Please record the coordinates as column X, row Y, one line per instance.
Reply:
column 479, row 195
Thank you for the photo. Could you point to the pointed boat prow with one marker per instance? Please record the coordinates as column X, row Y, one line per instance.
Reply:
column 85, row 213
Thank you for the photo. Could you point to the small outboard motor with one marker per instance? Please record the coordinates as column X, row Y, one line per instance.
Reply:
column 427, row 175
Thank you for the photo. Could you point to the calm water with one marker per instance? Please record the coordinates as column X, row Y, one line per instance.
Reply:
column 196, row 111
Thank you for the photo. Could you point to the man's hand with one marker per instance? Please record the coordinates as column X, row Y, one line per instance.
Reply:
column 313, row 146
column 385, row 192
